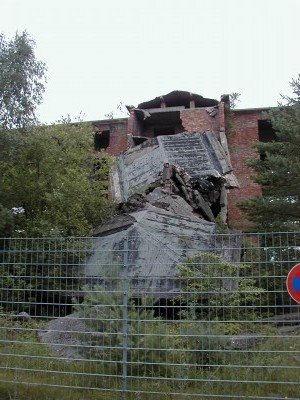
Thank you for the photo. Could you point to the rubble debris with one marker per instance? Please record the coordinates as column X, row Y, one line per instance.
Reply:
column 199, row 154
column 212, row 111
column 176, row 204
column 176, row 180
column 62, row 336
column 191, row 165
column 170, row 188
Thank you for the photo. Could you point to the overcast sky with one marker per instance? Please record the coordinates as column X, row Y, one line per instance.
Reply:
column 100, row 53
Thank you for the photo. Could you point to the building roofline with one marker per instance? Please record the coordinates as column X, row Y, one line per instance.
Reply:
column 249, row 110
column 107, row 121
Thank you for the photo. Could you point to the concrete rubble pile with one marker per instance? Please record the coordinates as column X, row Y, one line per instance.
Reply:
column 170, row 188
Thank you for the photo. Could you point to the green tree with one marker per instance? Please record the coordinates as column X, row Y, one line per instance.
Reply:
column 146, row 334
column 53, row 182
column 52, row 186
column 22, row 79
column 278, row 172
column 22, row 83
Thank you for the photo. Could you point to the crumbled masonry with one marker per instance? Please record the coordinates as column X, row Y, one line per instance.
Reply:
column 171, row 188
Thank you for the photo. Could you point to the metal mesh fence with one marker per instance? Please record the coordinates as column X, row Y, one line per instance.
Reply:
column 79, row 321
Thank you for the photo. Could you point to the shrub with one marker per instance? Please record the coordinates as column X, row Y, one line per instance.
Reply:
column 212, row 288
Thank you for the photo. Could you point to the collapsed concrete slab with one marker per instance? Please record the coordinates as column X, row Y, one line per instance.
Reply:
column 150, row 243
column 147, row 245
column 200, row 154
column 194, row 166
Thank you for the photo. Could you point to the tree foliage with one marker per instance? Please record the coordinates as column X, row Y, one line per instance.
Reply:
column 52, row 186
column 278, row 172
column 51, row 181
column 234, row 99
column 22, row 79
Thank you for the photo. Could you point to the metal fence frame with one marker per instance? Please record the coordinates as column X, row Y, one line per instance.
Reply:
column 225, row 329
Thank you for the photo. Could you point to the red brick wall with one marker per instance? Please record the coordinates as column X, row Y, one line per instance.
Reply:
column 241, row 139
column 118, row 134
column 198, row 119
column 119, row 139
column 240, row 142
column 193, row 119
column 134, row 126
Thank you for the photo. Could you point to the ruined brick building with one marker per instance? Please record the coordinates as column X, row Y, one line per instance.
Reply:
column 179, row 111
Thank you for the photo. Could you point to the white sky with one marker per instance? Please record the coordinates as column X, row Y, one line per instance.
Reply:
column 100, row 53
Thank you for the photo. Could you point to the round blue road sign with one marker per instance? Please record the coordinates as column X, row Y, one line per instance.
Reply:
column 293, row 283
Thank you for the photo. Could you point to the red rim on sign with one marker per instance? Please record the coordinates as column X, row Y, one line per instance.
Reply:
column 293, row 283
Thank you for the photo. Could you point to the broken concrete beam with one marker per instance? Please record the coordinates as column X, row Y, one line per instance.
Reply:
column 203, row 207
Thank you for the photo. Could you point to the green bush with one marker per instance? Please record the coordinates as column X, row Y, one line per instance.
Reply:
column 212, row 292
column 212, row 288
column 40, row 276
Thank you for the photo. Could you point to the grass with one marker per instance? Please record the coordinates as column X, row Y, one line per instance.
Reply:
column 29, row 371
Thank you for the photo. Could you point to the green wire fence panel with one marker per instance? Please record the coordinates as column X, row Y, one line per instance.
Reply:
column 95, row 318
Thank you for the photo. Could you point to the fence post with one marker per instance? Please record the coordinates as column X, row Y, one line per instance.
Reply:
column 125, row 318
